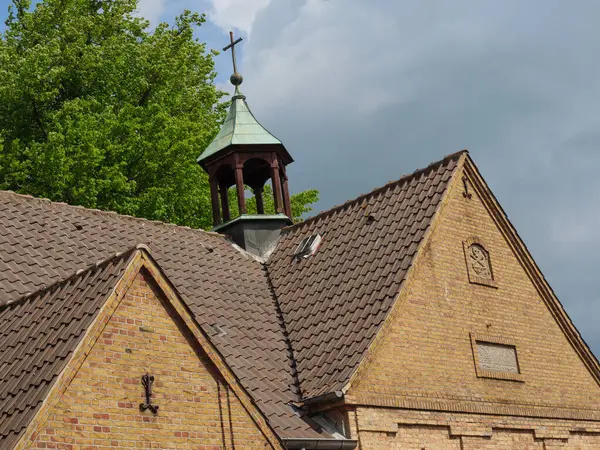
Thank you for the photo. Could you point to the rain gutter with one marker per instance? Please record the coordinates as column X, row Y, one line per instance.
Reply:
column 332, row 396
column 320, row 444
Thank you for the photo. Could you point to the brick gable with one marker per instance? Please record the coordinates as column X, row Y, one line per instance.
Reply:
column 42, row 243
column 99, row 404
column 424, row 358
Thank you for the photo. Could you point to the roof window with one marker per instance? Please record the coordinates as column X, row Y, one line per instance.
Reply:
column 218, row 330
column 308, row 246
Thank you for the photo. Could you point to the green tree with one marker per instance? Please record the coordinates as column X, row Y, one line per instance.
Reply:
column 301, row 202
column 97, row 109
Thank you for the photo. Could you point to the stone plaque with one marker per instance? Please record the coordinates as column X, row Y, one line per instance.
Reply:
column 497, row 357
column 479, row 266
column 479, row 261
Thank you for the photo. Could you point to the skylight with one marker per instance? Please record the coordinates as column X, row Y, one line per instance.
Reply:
column 308, row 246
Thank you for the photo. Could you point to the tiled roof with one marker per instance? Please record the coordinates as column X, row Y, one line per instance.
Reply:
column 39, row 334
column 330, row 305
column 334, row 302
column 42, row 242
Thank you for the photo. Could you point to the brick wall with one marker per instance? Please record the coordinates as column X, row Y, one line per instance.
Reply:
column 100, row 408
column 424, row 430
column 424, row 357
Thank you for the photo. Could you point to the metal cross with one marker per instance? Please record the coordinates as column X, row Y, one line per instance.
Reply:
column 232, row 47
column 147, row 382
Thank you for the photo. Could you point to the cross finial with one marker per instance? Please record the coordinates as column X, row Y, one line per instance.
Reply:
column 236, row 79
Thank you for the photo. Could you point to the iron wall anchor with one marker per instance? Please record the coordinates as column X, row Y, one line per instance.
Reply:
column 147, row 382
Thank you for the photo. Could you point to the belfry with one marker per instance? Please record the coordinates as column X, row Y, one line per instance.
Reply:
column 245, row 155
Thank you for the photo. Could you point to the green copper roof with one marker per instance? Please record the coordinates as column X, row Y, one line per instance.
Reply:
column 240, row 127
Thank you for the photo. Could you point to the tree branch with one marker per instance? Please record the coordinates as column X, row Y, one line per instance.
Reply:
column 38, row 120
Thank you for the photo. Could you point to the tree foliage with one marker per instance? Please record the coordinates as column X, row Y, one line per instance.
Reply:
column 300, row 202
column 98, row 109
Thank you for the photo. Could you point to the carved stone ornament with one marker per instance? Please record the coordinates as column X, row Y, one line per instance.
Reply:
column 479, row 266
column 479, row 261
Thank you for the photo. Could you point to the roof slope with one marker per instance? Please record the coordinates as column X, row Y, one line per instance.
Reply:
column 42, row 242
column 39, row 334
column 335, row 301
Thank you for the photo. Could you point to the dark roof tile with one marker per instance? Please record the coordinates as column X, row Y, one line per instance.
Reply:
column 42, row 242
column 335, row 301
column 40, row 332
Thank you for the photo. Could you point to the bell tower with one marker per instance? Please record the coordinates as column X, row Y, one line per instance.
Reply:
column 245, row 155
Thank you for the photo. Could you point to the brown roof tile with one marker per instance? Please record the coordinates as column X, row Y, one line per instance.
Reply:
column 335, row 301
column 42, row 242
column 39, row 334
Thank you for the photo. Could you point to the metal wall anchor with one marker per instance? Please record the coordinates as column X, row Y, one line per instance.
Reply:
column 147, row 382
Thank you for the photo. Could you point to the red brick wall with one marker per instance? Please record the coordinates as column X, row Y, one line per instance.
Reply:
column 100, row 409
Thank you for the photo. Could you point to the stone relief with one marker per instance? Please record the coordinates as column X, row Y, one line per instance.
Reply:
column 479, row 261
column 479, row 265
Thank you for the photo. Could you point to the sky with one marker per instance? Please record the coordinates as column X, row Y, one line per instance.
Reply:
column 364, row 92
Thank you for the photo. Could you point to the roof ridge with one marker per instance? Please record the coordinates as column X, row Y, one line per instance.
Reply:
column 402, row 179
column 109, row 213
column 78, row 274
column 237, row 95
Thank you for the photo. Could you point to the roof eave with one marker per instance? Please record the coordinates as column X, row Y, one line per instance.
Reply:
column 285, row 156
column 324, row 398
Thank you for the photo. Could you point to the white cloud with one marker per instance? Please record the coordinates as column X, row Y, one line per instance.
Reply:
column 238, row 14
column 324, row 57
column 152, row 10
column 360, row 55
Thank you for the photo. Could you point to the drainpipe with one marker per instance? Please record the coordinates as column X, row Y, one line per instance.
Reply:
column 320, row 444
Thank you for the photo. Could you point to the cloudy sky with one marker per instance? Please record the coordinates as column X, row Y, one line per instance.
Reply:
column 363, row 92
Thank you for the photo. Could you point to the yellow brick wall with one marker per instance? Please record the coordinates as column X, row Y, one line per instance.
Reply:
column 425, row 360
column 411, row 437
column 100, row 409
column 395, row 429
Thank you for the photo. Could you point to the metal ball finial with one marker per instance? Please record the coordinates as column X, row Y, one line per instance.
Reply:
column 236, row 79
